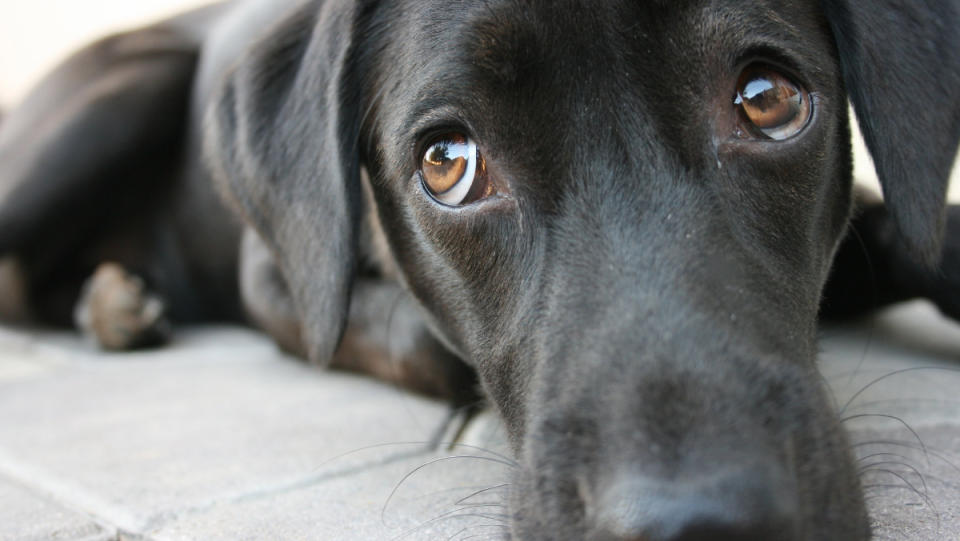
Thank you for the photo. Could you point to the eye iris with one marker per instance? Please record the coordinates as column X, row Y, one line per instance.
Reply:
column 772, row 104
column 445, row 163
column 453, row 171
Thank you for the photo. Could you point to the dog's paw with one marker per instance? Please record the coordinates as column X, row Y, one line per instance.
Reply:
column 14, row 302
column 118, row 311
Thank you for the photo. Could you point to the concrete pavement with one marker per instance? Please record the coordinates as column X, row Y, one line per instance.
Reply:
column 220, row 437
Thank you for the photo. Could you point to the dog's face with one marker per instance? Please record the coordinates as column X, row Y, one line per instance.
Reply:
column 620, row 213
column 634, row 264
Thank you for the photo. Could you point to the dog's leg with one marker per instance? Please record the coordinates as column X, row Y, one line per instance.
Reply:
column 943, row 285
column 84, row 135
column 14, row 305
column 874, row 269
column 93, row 148
column 118, row 311
column 385, row 335
column 266, row 298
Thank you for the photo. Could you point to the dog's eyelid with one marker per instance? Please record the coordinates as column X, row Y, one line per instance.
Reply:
column 774, row 58
column 427, row 123
column 423, row 137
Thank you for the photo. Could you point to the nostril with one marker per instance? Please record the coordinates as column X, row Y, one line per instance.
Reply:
column 729, row 508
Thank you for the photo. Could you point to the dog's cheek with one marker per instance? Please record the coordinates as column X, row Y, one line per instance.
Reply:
column 789, row 212
column 471, row 268
column 830, row 488
column 474, row 277
column 538, row 505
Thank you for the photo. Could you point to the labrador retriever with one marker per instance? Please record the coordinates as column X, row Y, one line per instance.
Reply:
column 615, row 218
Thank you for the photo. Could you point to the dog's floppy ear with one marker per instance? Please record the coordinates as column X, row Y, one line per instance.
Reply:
column 901, row 66
column 281, row 142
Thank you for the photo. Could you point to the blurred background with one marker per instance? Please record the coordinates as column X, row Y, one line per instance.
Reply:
column 36, row 34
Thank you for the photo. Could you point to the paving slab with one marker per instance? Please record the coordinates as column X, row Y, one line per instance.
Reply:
column 28, row 516
column 896, row 380
column 424, row 497
column 135, row 439
column 220, row 437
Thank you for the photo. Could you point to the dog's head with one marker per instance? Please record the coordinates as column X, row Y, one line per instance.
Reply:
column 621, row 213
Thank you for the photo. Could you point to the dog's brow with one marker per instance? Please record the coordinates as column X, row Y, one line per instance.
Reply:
column 790, row 38
column 503, row 46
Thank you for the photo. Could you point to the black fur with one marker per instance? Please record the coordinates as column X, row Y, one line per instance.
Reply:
column 295, row 95
column 900, row 62
column 640, row 299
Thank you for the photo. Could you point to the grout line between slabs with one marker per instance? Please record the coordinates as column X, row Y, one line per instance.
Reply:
column 109, row 517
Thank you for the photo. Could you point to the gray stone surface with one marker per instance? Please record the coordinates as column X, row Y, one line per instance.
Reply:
column 896, row 378
column 219, row 437
column 426, row 497
column 139, row 439
column 28, row 516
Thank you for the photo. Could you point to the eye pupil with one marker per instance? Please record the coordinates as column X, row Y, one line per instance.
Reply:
column 438, row 154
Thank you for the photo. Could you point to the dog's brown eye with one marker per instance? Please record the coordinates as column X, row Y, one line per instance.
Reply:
column 453, row 171
column 772, row 104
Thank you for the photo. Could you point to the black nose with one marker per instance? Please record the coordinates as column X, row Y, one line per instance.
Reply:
column 742, row 506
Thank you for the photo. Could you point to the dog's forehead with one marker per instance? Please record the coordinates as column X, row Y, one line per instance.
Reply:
column 511, row 39
column 520, row 65
column 502, row 47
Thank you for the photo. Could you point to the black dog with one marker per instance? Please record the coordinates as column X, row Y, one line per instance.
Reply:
column 620, row 214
